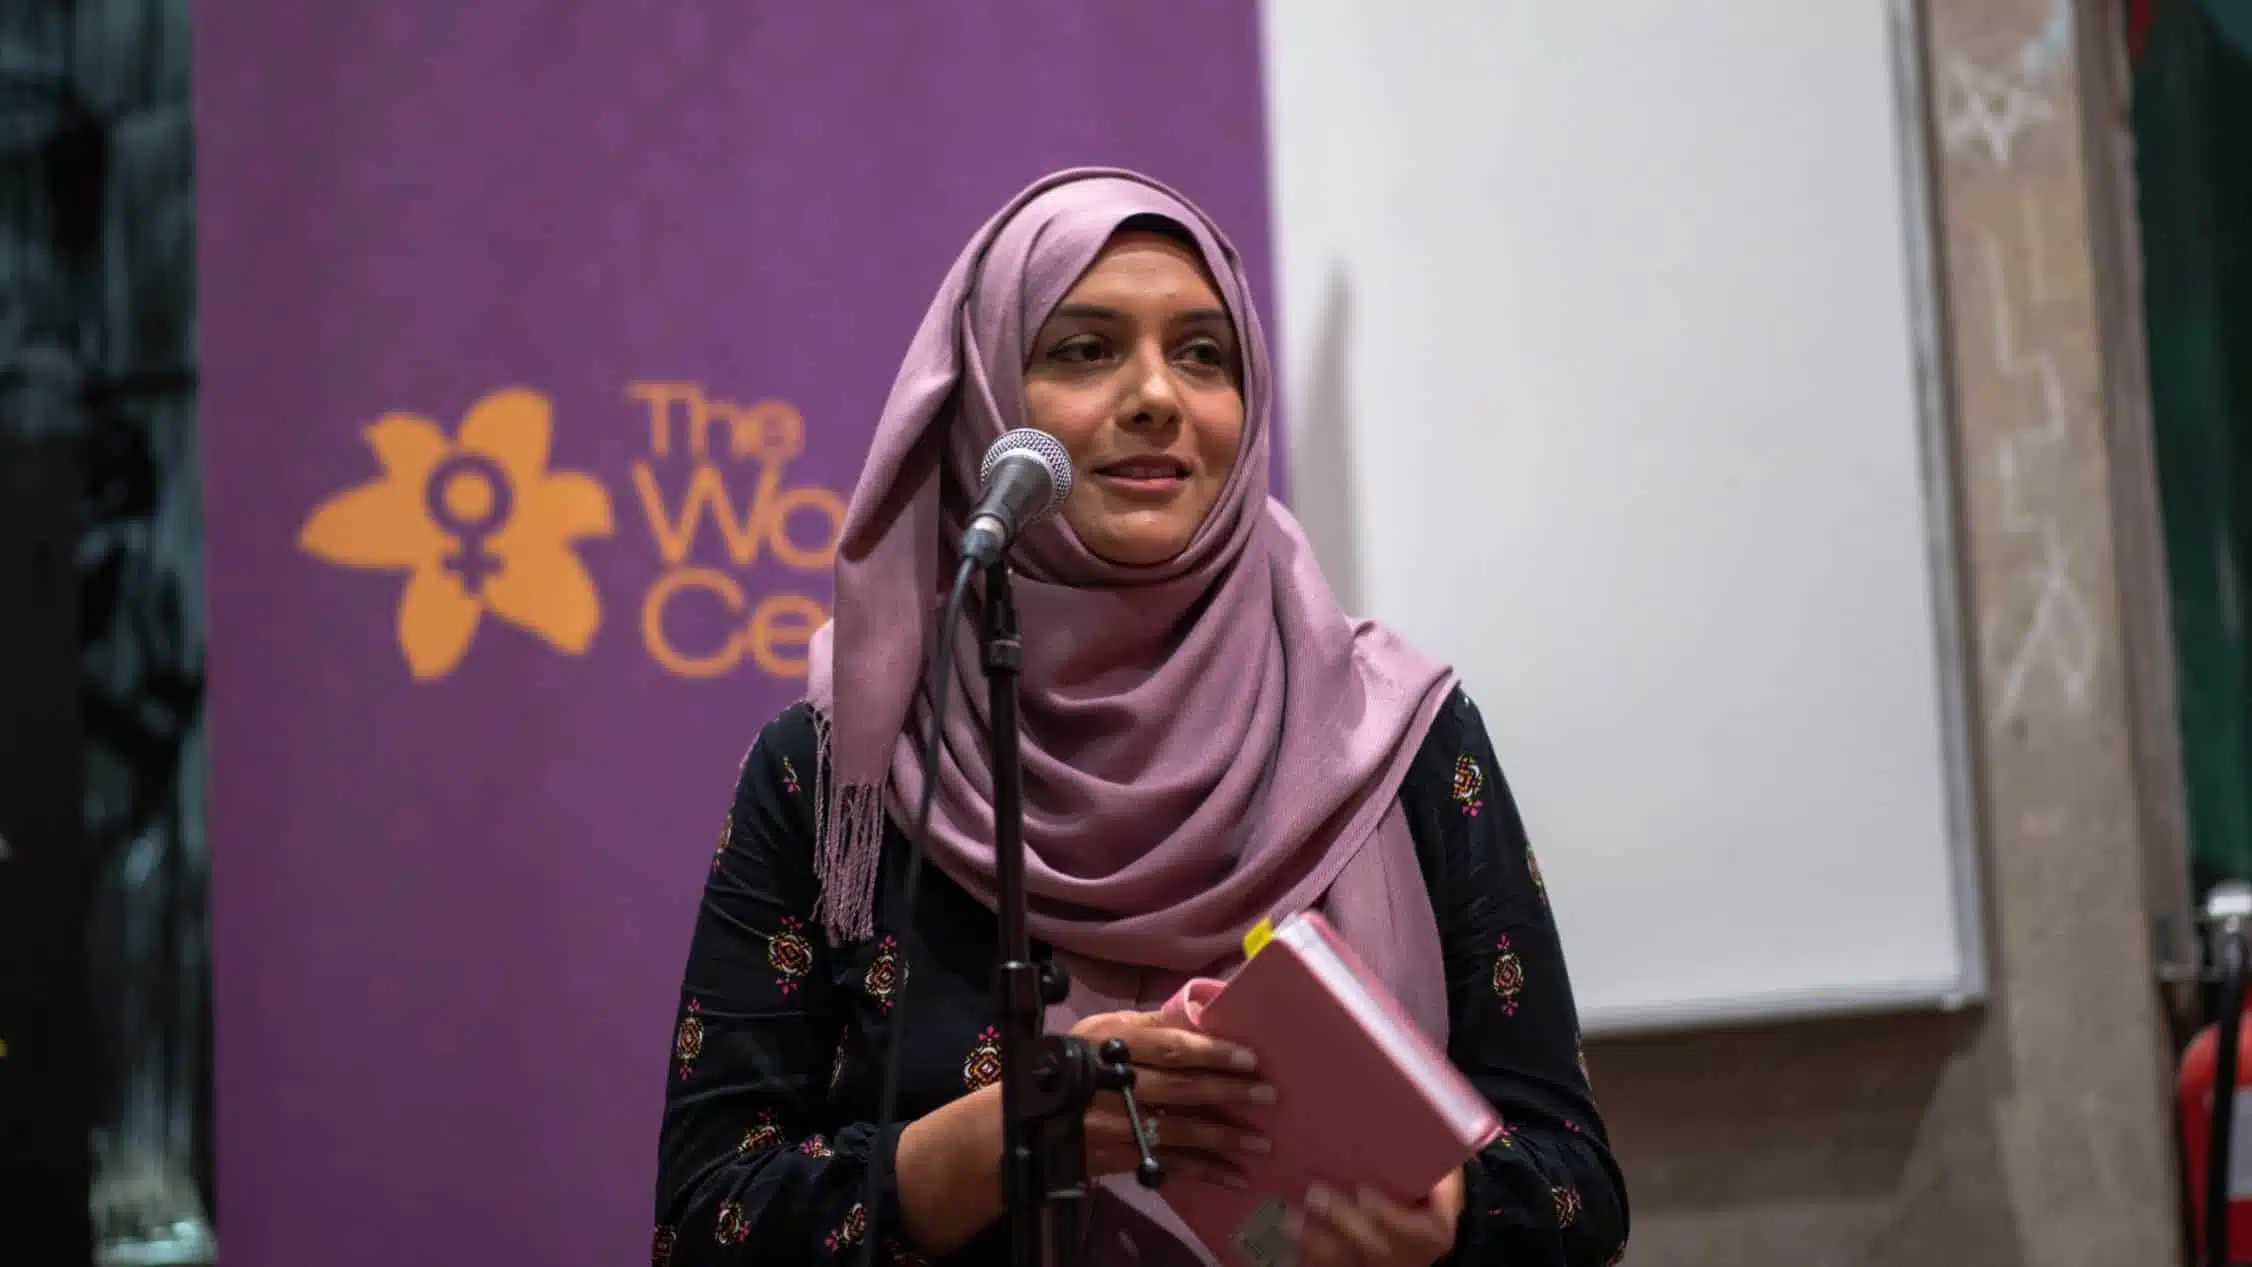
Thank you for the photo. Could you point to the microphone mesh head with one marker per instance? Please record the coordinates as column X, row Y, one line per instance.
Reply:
column 1042, row 447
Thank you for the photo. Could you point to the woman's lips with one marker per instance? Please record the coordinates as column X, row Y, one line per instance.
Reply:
column 1143, row 477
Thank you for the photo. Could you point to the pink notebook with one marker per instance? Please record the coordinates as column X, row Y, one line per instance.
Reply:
column 1363, row 1097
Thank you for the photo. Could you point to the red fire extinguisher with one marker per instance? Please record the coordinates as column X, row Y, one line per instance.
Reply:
column 2220, row 1175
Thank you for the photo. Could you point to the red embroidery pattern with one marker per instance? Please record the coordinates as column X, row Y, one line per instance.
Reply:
column 886, row 973
column 789, row 777
column 1540, row 886
column 850, row 1231
column 661, row 1246
column 983, row 1067
column 789, row 953
column 1509, row 977
column 733, row 1225
column 815, row 1146
column 688, row 1042
column 1469, row 781
column 765, row 1133
column 1567, row 1205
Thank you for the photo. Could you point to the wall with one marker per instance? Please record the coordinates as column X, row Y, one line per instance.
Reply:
column 2033, row 1131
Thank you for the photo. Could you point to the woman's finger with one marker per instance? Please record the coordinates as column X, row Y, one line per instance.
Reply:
column 1202, row 1167
column 1364, row 1239
column 1207, row 1134
column 1154, row 1041
column 1319, row 1243
column 1183, row 1129
column 1421, row 1231
column 1168, row 1088
column 1168, row 1048
column 1202, row 1151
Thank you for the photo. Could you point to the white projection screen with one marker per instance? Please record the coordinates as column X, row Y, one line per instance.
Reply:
column 1610, row 372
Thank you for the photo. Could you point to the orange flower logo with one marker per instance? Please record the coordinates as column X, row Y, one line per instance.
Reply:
column 477, row 523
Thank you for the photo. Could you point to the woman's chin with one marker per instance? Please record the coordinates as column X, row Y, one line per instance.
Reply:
column 1136, row 544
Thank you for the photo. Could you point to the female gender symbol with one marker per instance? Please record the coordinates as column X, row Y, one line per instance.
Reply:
column 473, row 523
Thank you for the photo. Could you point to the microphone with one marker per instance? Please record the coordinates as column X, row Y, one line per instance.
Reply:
column 1024, row 479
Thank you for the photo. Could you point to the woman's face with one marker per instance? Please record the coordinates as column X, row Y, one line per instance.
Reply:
column 1138, row 372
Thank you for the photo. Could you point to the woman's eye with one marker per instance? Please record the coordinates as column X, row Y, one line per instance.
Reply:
column 1084, row 350
column 1206, row 353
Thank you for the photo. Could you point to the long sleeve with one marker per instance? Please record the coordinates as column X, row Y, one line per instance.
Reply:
column 746, row 1172
column 1548, row 1192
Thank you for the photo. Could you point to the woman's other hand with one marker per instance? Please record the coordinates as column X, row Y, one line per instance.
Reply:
column 1368, row 1230
column 1191, row 1088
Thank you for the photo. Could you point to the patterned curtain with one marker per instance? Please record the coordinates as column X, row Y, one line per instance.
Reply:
column 97, row 358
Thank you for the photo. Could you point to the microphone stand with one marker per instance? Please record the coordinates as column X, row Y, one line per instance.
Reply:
column 1047, row 1080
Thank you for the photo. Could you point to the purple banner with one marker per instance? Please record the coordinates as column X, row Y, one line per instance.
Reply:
column 542, row 345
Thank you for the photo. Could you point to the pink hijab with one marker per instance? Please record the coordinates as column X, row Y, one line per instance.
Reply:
column 1206, row 742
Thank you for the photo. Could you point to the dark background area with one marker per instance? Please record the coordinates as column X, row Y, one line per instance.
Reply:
column 104, row 1005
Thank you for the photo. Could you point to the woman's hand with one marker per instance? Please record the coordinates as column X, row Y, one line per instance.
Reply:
column 1190, row 1088
column 1335, row 1230
column 948, row 1163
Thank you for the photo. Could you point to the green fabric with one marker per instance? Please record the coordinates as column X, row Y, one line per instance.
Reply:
column 2232, row 20
column 2193, row 128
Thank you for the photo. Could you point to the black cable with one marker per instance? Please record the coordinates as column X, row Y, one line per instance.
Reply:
column 2218, row 1147
column 940, row 677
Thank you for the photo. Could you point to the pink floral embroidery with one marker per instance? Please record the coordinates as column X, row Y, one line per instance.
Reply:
column 983, row 1066
column 789, row 777
column 1509, row 977
column 661, row 1246
column 815, row 1146
column 1469, row 781
column 765, row 1134
column 850, row 1231
column 886, row 973
column 688, row 1041
column 733, row 1225
column 789, row 953
column 1567, row 1205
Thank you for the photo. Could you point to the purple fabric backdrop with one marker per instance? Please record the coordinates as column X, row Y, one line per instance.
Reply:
column 463, row 793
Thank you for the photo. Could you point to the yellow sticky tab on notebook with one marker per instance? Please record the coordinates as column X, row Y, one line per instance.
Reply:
column 1256, row 940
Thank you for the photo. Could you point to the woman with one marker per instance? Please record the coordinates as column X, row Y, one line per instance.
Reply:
column 1207, row 740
